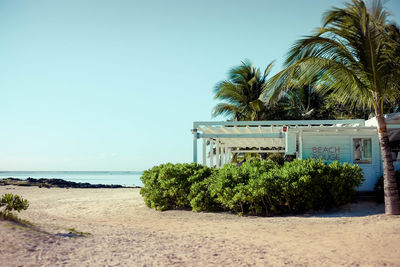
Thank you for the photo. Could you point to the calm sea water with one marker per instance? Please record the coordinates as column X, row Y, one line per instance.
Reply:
column 127, row 178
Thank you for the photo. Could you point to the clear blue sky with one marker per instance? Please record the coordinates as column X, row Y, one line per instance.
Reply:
column 116, row 85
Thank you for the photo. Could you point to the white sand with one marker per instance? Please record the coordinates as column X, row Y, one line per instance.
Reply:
column 125, row 232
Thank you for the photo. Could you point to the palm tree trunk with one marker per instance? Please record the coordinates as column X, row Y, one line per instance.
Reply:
column 392, row 201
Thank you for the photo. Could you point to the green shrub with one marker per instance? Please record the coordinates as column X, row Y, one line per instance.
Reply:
column 343, row 181
column 226, row 184
column 302, row 185
column 168, row 186
column 229, row 185
column 277, row 157
column 256, row 187
column 200, row 197
column 12, row 202
column 379, row 190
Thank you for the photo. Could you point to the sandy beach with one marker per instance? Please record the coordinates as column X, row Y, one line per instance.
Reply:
column 124, row 232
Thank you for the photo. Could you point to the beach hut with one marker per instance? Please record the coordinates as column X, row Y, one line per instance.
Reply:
column 353, row 141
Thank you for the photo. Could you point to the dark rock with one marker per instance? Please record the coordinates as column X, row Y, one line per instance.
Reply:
column 44, row 182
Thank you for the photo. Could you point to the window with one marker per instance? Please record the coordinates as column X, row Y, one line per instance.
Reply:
column 362, row 150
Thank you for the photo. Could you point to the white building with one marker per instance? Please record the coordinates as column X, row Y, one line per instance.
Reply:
column 353, row 141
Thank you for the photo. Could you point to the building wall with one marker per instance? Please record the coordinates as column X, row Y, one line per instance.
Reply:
column 327, row 147
column 332, row 146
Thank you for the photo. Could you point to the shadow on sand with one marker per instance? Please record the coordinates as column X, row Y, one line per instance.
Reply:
column 360, row 208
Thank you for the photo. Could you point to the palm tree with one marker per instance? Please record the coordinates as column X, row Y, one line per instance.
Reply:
column 305, row 103
column 356, row 55
column 241, row 92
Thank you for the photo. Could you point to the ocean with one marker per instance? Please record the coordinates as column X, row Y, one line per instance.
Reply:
column 126, row 178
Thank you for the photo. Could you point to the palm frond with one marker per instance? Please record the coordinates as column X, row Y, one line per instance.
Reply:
column 351, row 56
column 240, row 93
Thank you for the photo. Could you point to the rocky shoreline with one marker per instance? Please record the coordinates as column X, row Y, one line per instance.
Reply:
column 48, row 183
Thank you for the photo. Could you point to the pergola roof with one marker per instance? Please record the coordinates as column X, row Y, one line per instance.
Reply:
column 272, row 136
column 248, row 136
column 262, row 133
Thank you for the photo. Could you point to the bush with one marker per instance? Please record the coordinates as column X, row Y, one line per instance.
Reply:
column 256, row 187
column 277, row 157
column 379, row 190
column 344, row 179
column 229, row 185
column 168, row 186
column 13, row 202
column 302, row 185
column 200, row 196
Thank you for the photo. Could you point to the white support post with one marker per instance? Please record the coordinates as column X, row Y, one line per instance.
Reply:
column 204, row 152
column 222, row 156
column 211, row 153
column 301, row 144
column 218, row 159
column 225, row 155
column 194, row 145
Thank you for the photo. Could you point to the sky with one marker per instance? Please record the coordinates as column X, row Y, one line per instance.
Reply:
column 116, row 85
